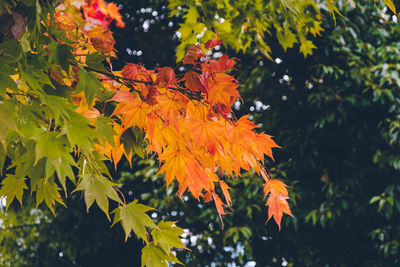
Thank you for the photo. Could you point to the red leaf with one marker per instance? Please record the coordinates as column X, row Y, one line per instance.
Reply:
column 193, row 53
column 166, row 76
column 212, row 43
column 197, row 82
column 222, row 65
column 130, row 71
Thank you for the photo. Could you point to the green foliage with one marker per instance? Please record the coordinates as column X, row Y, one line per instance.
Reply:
column 248, row 25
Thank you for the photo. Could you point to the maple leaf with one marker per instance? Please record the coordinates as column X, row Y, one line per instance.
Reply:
column 152, row 93
column 223, row 64
column 97, row 188
column 130, row 71
column 225, row 188
column 220, row 207
column 206, row 133
column 195, row 81
column 133, row 217
column 90, row 114
column 170, row 104
column 113, row 12
column 212, row 43
column 263, row 144
column 166, row 76
column 102, row 40
column 102, row 13
column 175, row 159
column 123, row 96
column 222, row 89
column 166, row 235
column 47, row 190
column 196, row 180
column 153, row 256
column 306, row 47
column 12, row 187
column 277, row 204
column 133, row 113
column 192, row 54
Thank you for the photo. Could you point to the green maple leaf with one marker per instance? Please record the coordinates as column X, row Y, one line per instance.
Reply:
column 153, row 256
column 287, row 39
column 306, row 47
column 79, row 133
column 47, row 191
column 89, row 83
column 52, row 146
column 6, row 121
column 12, row 187
column 166, row 235
column 104, row 129
column 60, row 54
column 97, row 188
column 133, row 217
column 95, row 61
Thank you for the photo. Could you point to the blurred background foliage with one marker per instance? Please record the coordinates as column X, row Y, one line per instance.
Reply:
column 336, row 115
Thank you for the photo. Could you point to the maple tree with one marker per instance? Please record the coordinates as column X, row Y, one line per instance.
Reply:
column 62, row 99
column 305, row 158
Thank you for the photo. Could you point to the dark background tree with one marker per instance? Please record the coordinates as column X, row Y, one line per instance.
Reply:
column 337, row 116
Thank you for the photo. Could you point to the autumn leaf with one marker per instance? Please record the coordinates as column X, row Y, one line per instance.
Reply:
column 130, row 71
column 220, row 207
column 222, row 89
column 277, row 200
column 207, row 134
column 223, row 64
column 102, row 12
column 212, row 43
column 195, row 81
column 225, row 188
column 175, row 160
column 102, row 40
column 166, row 76
column 192, row 54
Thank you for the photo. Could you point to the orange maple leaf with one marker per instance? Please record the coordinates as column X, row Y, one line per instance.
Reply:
column 223, row 64
column 277, row 204
column 193, row 53
column 222, row 89
column 207, row 134
column 220, row 207
column 225, row 188
column 102, row 40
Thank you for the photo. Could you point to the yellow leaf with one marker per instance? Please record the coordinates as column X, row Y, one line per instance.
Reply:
column 390, row 5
